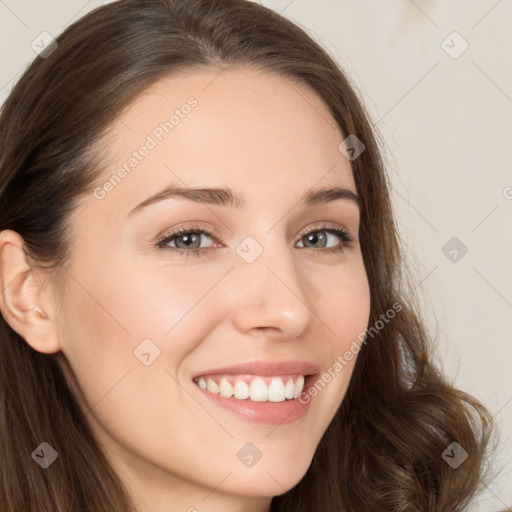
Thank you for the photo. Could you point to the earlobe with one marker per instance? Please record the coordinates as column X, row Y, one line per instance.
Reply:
column 21, row 297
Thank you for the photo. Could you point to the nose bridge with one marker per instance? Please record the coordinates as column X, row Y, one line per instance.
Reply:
column 270, row 290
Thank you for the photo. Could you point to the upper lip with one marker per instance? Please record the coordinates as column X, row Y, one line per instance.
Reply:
column 265, row 368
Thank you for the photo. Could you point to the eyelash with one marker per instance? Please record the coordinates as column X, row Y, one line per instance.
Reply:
column 343, row 234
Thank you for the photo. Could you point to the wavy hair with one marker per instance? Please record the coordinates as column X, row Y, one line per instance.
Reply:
column 383, row 449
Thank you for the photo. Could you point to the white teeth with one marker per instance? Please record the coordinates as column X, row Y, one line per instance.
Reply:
column 225, row 389
column 299, row 386
column 257, row 390
column 241, row 389
column 289, row 389
column 276, row 391
column 212, row 386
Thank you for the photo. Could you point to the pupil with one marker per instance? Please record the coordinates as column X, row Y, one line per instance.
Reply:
column 188, row 239
column 314, row 237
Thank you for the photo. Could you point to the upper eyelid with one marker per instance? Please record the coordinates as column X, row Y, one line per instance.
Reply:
column 188, row 229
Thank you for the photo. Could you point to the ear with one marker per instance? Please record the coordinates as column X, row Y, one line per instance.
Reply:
column 20, row 292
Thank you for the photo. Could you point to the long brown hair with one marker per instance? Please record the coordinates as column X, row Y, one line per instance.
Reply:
column 383, row 449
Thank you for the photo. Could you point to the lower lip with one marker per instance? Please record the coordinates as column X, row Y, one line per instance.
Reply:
column 268, row 413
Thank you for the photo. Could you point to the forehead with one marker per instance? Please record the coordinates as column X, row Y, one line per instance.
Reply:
column 252, row 130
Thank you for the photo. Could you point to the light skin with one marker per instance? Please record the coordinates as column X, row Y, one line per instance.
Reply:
column 270, row 141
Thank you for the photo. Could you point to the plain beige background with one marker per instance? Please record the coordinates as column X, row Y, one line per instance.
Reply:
column 445, row 113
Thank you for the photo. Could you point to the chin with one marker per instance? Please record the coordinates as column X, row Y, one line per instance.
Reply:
column 269, row 480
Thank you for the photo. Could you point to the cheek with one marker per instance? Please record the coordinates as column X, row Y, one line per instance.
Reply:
column 344, row 308
column 131, row 317
column 343, row 305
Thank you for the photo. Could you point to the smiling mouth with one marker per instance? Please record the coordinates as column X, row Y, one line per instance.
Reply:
column 254, row 388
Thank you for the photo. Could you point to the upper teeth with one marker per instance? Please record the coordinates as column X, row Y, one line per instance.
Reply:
column 277, row 389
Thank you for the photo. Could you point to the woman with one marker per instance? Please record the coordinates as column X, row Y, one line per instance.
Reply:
column 202, row 301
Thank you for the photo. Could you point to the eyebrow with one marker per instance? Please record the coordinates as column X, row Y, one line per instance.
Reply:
column 229, row 198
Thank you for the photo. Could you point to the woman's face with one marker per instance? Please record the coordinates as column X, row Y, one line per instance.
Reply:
column 143, row 321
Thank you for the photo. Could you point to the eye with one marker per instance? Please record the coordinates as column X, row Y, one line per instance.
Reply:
column 186, row 241
column 321, row 235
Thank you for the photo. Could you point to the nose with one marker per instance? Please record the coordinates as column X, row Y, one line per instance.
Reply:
column 271, row 297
